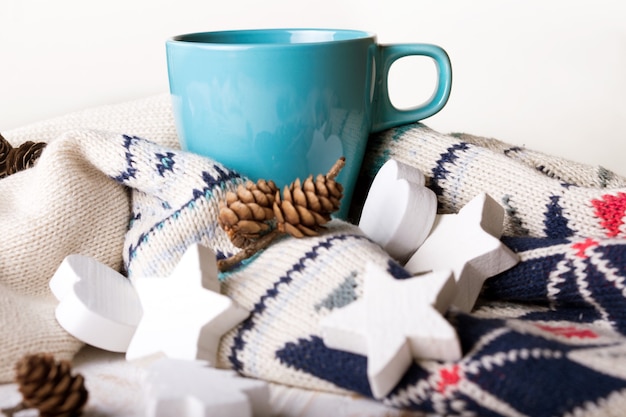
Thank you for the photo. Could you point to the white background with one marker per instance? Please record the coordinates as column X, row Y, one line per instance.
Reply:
column 547, row 74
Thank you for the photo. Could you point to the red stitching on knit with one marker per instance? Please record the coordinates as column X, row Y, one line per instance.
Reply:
column 582, row 247
column 569, row 331
column 448, row 377
column 611, row 209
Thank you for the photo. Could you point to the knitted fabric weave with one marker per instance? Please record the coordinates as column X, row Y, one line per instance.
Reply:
column 542, row 195
column 548, row 337
column 65, row 204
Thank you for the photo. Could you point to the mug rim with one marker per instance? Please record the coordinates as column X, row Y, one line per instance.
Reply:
column 212, row 38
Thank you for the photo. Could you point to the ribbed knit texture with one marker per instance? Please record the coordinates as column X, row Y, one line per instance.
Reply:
column 547, row 338
column 542, row 195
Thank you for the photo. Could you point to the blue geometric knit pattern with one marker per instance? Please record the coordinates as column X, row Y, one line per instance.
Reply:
column 274, row 291
column 558, row 344
column 547, row 337
column 175, row 198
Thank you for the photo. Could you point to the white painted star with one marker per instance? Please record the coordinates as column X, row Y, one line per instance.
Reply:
column 469, row 244
column 394, row 322
column 399, row 210
column 191, row 389
column 184, row 315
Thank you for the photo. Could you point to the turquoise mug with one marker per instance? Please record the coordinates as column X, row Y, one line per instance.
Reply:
column 282, row 104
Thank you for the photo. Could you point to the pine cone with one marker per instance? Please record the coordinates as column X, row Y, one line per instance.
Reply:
column 305, row 207
column 246, row 213
column 49, row 386
column 249, row 214
column 24, row 156
column 5, row 149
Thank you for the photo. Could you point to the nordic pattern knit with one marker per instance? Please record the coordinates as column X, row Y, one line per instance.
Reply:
column 547, row 338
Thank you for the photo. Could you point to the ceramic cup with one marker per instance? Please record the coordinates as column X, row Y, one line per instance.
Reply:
column 282, row 104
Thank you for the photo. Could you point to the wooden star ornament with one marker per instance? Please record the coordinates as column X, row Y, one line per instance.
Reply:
column 399, row 210
column 184, row 315
column 97, row 304
column 191, row 389
column 395, row 322
column 468, row 243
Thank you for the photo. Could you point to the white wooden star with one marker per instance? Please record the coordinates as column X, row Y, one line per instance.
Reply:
column 191, row 389
column 97, row 304
column 395, row 322
column 469, row 244
column 399, row 210
column 184, row 315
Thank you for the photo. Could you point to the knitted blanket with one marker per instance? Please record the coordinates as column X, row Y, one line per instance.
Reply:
column 548, row 337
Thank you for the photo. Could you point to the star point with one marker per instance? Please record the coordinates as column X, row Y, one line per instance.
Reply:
column 469, row 243
column 191, row 389
column 395, row 322
column 399, row 210
column 184, row 315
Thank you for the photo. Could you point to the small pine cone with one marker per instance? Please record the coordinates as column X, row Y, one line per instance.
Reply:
column 306, row 207
column 50, row 387
column 5, row 149
column 246, row 213
column 24, row 156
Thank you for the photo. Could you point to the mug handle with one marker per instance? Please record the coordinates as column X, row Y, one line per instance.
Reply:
column 385, row 114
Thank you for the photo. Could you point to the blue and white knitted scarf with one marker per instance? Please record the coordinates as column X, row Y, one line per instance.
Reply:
column 548, row 337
